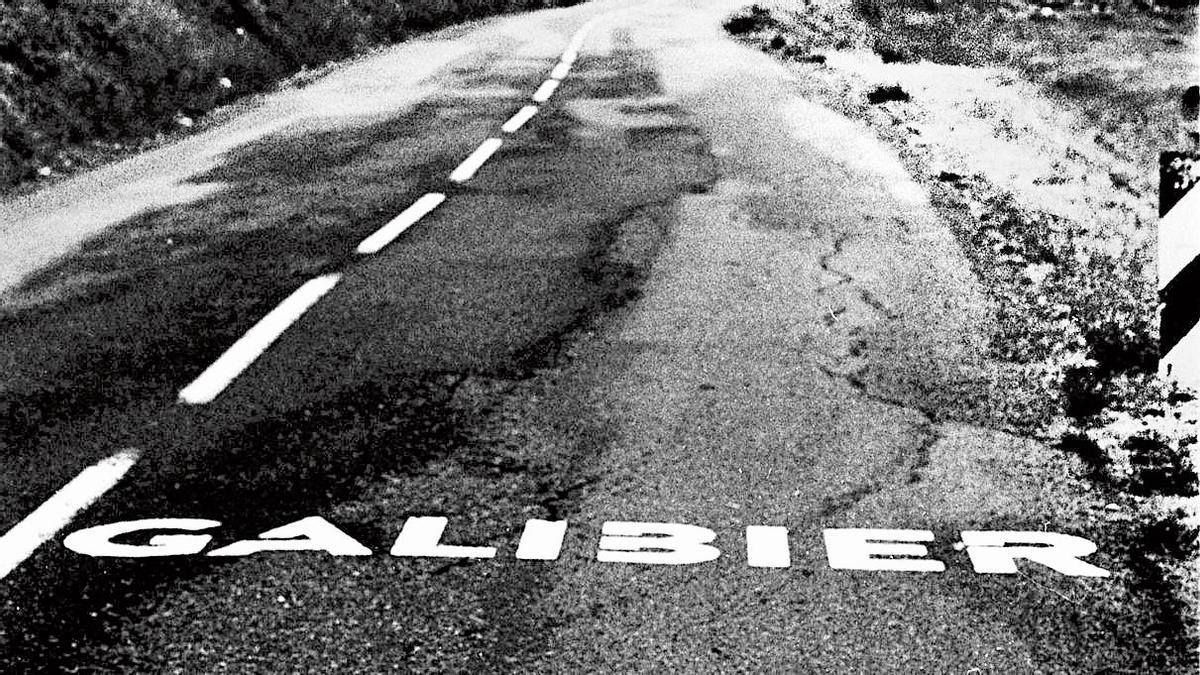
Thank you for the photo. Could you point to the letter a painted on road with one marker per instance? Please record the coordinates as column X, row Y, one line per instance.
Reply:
column 422, row 538
column 310, row 534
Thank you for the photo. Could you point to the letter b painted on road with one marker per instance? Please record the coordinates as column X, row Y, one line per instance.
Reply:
column 656, row 543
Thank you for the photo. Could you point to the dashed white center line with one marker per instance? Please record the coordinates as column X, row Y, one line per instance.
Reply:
column 572, row 51
column 545, row 91
column 561, row 71
column 411, row 216
column 517, row 121
column 470, row 165
column 38, row 527
column 256, row 340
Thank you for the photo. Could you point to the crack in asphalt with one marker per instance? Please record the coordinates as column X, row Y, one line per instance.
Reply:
column 926, row 431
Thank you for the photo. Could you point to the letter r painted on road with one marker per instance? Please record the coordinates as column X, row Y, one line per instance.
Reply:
column 421, row 537
column 859, row 549
column 98, row 541
column 656, row 543
column 992, row 552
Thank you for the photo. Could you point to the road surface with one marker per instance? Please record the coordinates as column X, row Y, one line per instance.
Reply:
column 669, row 293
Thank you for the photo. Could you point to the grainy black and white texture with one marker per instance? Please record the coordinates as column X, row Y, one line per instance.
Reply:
column 768, row 271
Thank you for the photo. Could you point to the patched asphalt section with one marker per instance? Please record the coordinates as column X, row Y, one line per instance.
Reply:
column 383, row 391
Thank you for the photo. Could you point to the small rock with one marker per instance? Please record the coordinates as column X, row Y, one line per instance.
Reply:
column 185, row 122
column 240, row 31
column 1111, row 507
column 45, row 171
column 225, row 83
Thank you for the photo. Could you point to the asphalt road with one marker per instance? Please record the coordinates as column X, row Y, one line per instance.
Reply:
column 678, row 293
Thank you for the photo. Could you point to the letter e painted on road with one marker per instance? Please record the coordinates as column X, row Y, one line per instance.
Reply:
column 309, row 534
column 992, row 552
column 860, row 549
column 656, row 543
column 98, row 541
column 421, row 537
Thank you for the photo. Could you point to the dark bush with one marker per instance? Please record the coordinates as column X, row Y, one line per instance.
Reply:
column 750, row 20
column 1118, row 349
column 891, row 93
column 1092, row 455
column 891, row 54
column 1083, row 392
column 1169, row 536
column 1159, row 468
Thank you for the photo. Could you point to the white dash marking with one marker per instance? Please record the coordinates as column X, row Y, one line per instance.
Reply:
column 517, row 121
column 409, row 217
column 576, row 43
column 256, row 340
column 545, row 91
column 561, row 71
column 57, row 512
column 470, row 165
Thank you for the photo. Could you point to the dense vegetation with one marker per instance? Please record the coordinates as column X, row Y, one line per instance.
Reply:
column 86, row 71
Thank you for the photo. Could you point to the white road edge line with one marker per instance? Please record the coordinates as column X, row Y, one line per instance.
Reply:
column 212, row 382
column 517, row 121
column 409, row 217
column 470, row 165
column 561, row 71
column 545, row 91
column 57, row 512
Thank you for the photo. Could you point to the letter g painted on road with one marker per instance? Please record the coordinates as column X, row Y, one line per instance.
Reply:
column 98, row 541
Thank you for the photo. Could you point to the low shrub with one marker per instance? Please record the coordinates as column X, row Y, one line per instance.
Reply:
column 752, row 19
column 76, row 71
column 1160, row 468
column 893, row 92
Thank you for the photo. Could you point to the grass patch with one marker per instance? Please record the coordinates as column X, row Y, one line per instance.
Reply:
column 78, row 72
